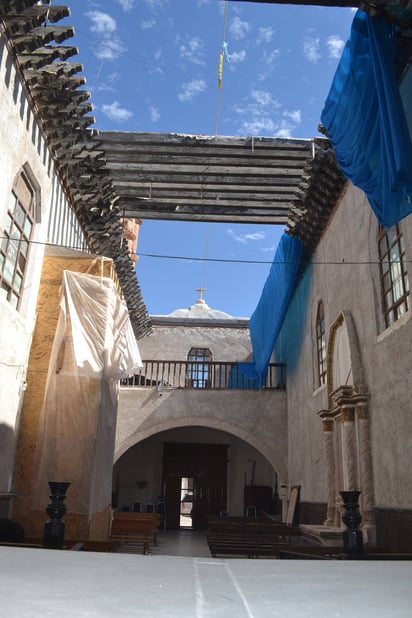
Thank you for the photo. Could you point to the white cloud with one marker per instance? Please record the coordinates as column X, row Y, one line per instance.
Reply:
column 245, row 238
column 110, row 49
column 192, row 89
column 264, row 98
column 335, row 46
column 154, row 113
column 237, row 56
column 149, row 23
column 258, row 115
column 261, row 114
column 127, row 5
column 156, row 4
column 193, row 50
column 267, row 63
column 109, row 46
column 116, row 113
column 238, row 28
column 255, row 236
column 264, row 35
column 102, row 22
column 294, row 116
column 311, row 49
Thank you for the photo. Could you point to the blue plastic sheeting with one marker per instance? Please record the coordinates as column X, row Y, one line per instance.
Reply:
column 242, row 376
column 267, row 319
column 366, row 121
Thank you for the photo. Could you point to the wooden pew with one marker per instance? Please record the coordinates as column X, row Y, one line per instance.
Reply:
column 140, row 528
column 252, row 537
column 323, row 552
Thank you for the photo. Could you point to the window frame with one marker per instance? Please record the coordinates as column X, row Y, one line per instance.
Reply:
column 198, row 374
column 17, row 234
column 394, row 280
column 321, row 348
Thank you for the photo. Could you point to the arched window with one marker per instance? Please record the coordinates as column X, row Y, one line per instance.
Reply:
column 16, row 236
column 393, row 273
column 198, row 368
column 321, row 344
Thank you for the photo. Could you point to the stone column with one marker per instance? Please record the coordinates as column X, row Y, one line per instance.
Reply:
column 351, row 467
column 327, row 426
column 365, row 461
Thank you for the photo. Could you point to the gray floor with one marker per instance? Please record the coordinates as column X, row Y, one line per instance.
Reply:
column 40, row 583
column 187, row 543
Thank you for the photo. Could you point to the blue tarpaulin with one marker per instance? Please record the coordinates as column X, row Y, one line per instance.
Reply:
column 366, row 121
column 269, row 314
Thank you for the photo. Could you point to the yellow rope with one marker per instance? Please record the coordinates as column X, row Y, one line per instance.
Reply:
column 220, row 69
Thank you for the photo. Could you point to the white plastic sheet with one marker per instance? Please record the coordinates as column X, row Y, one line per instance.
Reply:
column 94, row 346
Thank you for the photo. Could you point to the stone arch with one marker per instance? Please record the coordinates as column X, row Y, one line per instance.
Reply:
column 230, row 428
column 344, row 330
column 346, row 424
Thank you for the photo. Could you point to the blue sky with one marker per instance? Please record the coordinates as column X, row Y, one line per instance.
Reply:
column 152, row 65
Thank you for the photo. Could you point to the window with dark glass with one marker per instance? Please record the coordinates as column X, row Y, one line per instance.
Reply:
column 321, row 344
column 393, row 272
column 198, row 367
column 15, row 238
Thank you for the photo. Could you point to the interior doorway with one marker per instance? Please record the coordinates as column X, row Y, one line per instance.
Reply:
column 186, row 501
column 197, row 472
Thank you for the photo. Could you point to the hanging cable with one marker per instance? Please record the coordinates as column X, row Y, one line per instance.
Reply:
column 206, row 259
column 220, row 69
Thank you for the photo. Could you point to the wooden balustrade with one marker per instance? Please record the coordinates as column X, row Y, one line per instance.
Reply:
column 204, row 375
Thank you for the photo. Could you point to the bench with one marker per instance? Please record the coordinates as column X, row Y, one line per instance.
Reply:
column 249, row 537
column 136, row 528
column 324, row 552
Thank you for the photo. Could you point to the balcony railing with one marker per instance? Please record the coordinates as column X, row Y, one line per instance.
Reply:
column 203, row 375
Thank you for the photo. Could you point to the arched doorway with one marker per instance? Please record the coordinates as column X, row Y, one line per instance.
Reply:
column 222, row 473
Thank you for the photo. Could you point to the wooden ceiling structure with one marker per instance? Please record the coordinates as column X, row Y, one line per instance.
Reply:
column 108, row 175
column 203, row 178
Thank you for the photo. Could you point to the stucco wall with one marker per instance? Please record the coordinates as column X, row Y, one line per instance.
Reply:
column 174, row 342
column 259, row 418
column 344, row 274
column 253, row 423
column 20, row 142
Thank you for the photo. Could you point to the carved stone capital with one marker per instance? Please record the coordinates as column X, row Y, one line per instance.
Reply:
column 348, row 413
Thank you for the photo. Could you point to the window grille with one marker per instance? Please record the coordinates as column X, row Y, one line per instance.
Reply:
column 321, row 343
column 393, row 273
column 16, row 236
column 198, row 369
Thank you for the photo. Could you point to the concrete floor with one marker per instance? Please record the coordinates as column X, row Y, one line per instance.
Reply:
column 181, row 543
column 39, row 583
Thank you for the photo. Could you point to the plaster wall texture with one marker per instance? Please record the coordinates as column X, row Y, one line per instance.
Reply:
column 175, row 342
column 343, row 277
column 258, row 418
column 144, row 463
column 20, row 142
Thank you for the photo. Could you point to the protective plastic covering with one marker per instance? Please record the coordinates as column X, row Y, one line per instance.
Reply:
column 366, row 121
column 267, row 319
column 94, row 346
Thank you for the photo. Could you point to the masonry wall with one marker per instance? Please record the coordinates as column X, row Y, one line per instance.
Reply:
column 345, row 276
column 20, row 142
column 252, row 422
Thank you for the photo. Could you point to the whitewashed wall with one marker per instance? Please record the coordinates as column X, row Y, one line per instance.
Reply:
column 21, row 142
column 346, row 277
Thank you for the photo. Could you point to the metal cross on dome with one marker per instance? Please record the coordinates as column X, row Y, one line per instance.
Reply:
column 201, row 289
